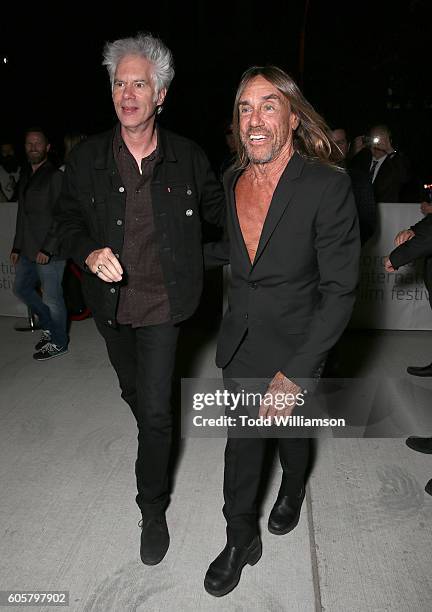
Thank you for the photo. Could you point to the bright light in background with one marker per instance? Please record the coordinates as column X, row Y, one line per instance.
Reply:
column 5, row 60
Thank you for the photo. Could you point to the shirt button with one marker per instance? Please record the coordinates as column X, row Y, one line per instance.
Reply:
column 253, row 285
column 189, row 212
column 246, row 316
column 189, row 192
column 121, row 189
column 109, row 322
column 112, row 290
column 119, row 222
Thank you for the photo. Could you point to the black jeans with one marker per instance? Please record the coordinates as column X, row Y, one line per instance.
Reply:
column 244, row 457
column 144, row 358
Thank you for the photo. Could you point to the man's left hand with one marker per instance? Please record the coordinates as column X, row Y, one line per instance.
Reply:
column 41, row 258
column 281, row 386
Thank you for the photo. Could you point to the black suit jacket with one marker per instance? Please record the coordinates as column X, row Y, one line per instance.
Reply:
column 392, row 175
column 304, row 276
column 419, row 246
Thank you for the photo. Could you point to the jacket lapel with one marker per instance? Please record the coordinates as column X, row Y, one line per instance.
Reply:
column 230, row 183
column 282, row 196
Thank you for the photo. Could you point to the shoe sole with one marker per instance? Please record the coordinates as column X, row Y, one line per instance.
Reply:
column 419, row 374
column 252, row 559
column 155, row 561
column 291, row 526
column 418, row 450
column 52, row 356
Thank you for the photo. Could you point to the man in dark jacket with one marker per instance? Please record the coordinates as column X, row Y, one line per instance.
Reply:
column 130, row 216
column 389, row 170
column 35, row 250
column 411, row 244
column 294, row 252
column 362, row 189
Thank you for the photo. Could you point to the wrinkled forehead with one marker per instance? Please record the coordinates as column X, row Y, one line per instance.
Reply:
column 36, row 137
column 258, row 88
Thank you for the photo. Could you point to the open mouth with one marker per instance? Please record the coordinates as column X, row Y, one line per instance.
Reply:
column 257, row 138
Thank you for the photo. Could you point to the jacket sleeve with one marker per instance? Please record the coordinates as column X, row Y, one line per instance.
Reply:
column 17, row 243
column 337, row 247
column 212, row 198
column 419, row 246
column 50, row 244
column 75, row 239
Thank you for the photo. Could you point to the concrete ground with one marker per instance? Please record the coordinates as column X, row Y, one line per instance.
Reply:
column 68, row 519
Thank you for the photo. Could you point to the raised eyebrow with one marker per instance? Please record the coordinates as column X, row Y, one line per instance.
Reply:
column 271, row 97
column 265, row 98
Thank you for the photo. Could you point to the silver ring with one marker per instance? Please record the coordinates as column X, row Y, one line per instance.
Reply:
column 100, row 266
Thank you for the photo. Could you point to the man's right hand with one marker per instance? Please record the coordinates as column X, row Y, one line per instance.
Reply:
column 14, row 258
column 403, row 236
column 105, row 265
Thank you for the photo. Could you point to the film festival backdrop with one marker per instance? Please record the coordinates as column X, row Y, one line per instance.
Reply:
column 385, row 300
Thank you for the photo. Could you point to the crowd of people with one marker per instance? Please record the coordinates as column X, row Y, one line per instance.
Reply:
column 296, row 205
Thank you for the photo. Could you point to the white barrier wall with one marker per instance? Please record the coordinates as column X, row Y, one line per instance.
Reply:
column 385, row 301
column 391, row 300
column 9, row 305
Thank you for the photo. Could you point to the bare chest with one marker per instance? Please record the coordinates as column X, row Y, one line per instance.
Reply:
column 252, row 203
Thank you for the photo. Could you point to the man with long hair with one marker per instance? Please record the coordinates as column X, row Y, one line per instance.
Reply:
column 294, row 249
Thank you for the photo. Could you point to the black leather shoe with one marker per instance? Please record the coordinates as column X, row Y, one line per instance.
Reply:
column 223, row 575
column 154, row 539
column 420, row 370
column 285, row 513
column 422, row 445
column 428, row 487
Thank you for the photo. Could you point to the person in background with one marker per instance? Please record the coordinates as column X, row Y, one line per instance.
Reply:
column 35, row 251
column 411, row 244
column 389, row 170
column 9, row 172
column 70, row 141
column 362, row 188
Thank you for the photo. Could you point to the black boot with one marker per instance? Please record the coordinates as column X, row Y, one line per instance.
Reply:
column 285, row 513
column 224, row 573
column 154, row 539
column 420, row 370
column 421, row 445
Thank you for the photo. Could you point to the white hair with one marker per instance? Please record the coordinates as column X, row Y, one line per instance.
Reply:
column 144, row 45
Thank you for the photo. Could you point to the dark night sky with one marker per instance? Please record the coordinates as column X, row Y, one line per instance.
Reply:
column 354, row 53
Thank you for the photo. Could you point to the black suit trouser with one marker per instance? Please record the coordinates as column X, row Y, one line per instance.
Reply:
column 143, row 359
column 244, row 456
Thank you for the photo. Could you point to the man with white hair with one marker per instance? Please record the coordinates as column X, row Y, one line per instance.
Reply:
column 130, row 215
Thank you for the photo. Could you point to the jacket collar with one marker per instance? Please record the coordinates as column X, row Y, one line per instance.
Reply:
column 105, row 158
column 282, row 196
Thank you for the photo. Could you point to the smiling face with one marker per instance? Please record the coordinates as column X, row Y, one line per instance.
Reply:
column 266, row 122
column 134, row 93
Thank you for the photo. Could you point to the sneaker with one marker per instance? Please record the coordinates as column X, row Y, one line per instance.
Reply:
column 49, row 351
column 44, row 339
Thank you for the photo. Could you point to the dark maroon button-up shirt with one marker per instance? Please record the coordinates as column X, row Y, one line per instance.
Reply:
column 143, row 299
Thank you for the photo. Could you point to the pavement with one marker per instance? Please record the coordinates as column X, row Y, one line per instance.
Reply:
column 68, row 519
